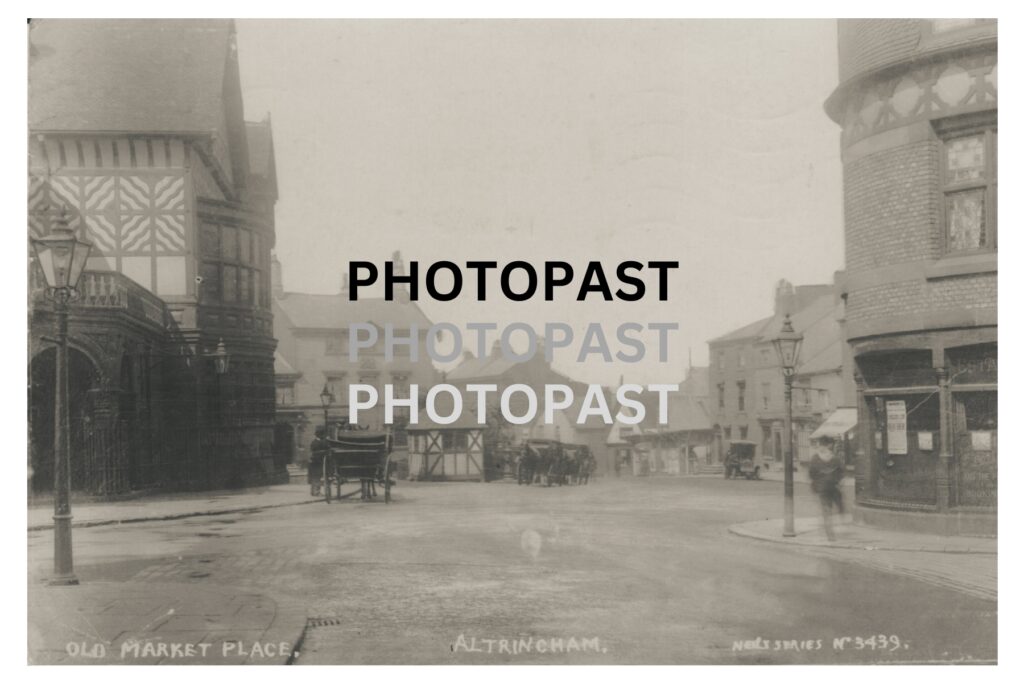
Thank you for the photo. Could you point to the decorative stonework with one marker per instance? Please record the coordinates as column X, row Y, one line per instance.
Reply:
column 930, row 91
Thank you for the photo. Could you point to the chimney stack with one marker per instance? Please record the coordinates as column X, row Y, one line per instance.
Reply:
column 785, row 298
column 401, row 288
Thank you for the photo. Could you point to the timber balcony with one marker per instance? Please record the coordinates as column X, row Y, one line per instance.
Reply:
column 107, row 291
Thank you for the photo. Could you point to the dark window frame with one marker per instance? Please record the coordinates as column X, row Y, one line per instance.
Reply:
column 956, row 128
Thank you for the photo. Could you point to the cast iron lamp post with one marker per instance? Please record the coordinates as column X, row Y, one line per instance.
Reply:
column 61, row 256
column 326, row 398
column 787, row 346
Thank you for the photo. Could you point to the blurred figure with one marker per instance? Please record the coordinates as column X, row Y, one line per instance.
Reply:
column 317, row 450
column 826, row 474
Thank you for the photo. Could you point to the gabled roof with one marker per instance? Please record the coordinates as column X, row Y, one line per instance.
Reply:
column 696, row 382
column 335, row 311
column 481, row 368
column 282, row 367
column 130, row 75
column 685, row 413
column 753, row 330
column 817, row 322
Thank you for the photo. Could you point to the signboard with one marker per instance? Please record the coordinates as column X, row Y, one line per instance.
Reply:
column 981, row 441
column 896, row 426
column 924, row 441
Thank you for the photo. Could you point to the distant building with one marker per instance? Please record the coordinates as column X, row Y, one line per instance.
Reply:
column 682, row 446
column 747, row 401
column 137, row 131
column 917, row 103
column 503, row 372
column 312, row 353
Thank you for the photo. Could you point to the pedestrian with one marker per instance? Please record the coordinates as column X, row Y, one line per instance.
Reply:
column 317, row 450
column 826, row 474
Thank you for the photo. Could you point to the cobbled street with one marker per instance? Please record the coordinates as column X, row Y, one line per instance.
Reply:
column 625, row 571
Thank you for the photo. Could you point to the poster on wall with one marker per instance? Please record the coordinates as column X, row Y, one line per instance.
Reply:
column 924, row 441
column 896, row 426
column 981, row 441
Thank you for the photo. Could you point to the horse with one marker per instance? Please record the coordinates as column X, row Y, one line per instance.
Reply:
column 526, row 465
column 587, row 465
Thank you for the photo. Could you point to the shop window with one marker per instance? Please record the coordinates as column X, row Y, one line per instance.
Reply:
column 980, row 410
column 969, row 187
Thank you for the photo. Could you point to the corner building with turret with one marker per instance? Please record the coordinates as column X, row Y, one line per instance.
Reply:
column 917, row 106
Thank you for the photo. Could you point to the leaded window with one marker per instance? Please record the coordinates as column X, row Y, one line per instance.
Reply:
column 969, row 190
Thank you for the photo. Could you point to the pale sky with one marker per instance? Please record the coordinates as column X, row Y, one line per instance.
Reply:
column 698, row 141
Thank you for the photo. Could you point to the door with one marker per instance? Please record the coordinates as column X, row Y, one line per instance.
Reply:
column 976, row 445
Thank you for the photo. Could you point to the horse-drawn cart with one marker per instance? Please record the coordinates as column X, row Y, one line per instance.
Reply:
column 358, row 456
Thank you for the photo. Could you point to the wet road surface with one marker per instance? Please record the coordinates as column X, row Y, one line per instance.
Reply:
column 622, row 571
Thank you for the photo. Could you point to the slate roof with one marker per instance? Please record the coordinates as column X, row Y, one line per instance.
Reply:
column 335, row 311
column 130, row 75
column 481, row 368
column 696, row 382
column 262, row 170
column 282, row 366
column 754, row 329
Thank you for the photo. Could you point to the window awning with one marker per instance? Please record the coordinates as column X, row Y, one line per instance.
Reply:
column 837, row 425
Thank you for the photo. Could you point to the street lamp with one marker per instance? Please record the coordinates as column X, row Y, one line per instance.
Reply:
column 326, row 398
column 61, row 257
column 220, row 358
column 787, row 346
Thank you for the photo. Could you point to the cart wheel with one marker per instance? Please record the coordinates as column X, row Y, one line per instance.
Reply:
column 387, row 479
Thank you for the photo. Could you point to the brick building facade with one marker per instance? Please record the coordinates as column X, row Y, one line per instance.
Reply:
column 747, row 399
column 917, row 106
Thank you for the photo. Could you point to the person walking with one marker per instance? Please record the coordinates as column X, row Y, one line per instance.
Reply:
column 826, row 474
column 317, row 450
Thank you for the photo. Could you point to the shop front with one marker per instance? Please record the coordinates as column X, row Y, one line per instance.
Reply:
column 927, row 452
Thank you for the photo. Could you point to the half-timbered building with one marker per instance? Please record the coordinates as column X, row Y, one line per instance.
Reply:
column 137, row 134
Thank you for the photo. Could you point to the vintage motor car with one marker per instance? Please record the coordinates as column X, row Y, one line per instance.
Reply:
column 741, row 460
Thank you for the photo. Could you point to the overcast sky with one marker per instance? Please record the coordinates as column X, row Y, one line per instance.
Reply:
column 698, row 141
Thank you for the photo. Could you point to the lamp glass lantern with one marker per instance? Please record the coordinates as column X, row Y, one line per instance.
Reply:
column 326, row 397
column 221, row 360
column 61, row 255
column 787, row 345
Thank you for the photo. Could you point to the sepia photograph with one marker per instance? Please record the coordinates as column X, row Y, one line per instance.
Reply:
column 501, row 342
